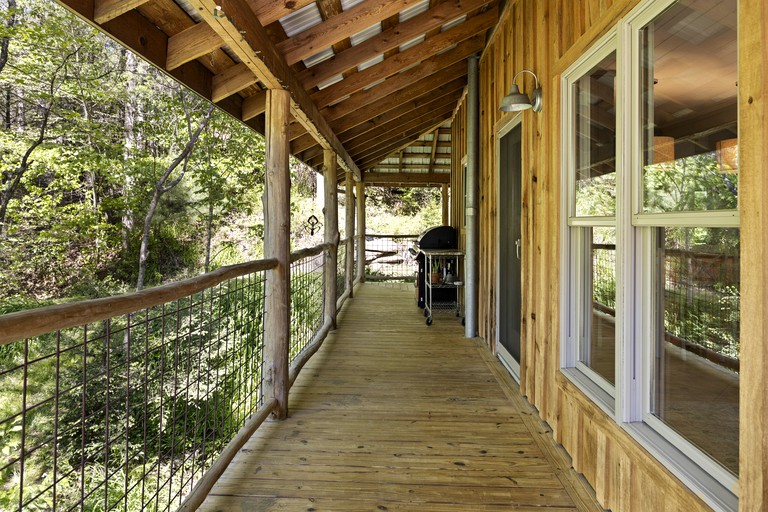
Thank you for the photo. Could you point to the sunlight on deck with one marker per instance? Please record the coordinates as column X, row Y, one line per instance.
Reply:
column 394, row 415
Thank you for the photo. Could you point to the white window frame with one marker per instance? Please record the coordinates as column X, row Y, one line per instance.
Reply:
column 630, row 405
column 573, row 263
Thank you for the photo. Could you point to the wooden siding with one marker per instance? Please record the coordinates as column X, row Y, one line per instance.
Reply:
column 546, row 37
column 401, row 416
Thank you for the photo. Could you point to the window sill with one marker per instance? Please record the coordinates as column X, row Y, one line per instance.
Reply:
column 593, row 390
column 712, row 491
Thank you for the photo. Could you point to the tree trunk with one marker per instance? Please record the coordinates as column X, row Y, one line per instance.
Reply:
column 161, row 188
column 132, row 114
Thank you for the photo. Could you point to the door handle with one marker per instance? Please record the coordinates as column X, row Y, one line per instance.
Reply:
column 517, row 248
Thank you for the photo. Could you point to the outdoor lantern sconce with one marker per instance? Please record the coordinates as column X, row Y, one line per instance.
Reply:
column 516, row 101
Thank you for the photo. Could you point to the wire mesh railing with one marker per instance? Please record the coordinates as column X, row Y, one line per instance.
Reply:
column 307, row 300
column 341, row 268
column 700, row 299
column 387, row 257
column 128, row 408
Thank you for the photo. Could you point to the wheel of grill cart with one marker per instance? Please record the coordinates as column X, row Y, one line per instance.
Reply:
column 429, row 320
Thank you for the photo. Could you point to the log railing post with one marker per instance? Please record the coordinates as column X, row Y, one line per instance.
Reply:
column 361, row 231
column 330, row 209
column 350, row 229
column 277, row 246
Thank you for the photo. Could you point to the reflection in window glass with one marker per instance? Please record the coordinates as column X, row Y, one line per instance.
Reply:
column 690, row 112
column 595, row 155
column 598, row 346
column 696, row 369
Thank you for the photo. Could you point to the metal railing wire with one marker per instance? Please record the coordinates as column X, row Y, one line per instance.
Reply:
column 387, row 258
column 341, row 268
column 128, row 410
column 307, row 286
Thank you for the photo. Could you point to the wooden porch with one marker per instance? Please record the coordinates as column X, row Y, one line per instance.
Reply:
column 393, row 415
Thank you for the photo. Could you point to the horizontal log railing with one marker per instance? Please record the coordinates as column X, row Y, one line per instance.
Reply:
column 140, row 401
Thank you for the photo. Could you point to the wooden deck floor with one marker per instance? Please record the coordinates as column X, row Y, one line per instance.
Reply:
column 393, row 415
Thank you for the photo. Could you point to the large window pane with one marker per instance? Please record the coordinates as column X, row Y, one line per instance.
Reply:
column 696, row 369
column 598, row 341
column 595, row 129
column 689, row 84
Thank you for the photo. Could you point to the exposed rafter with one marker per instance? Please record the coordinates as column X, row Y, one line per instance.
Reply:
column 411, row 178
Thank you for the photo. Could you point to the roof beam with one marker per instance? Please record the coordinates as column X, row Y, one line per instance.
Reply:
column 412, row 108
column 337, row 28
column 428, row 67
column 435, row 136
column 236, row 24
column 387, row 178
column 372, row 158
column 382, row 111
column 254, row 105
column 414, row 55
column 106, row 10
column 269, row 11
column 231, row 81
column 407, row 166
column 189, row 44
column 394, row 129
column 387, row 40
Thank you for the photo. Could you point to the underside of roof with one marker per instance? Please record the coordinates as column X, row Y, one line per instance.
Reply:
column 375, row 81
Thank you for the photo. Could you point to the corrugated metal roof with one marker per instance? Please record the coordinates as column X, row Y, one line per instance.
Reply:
column 414, row 10
column 301, row 20
column 461, row 19
column 321, row 56
column 370, row 63
column 364, row 34
column 348, row 4
column 330, row 81
column 412, row 43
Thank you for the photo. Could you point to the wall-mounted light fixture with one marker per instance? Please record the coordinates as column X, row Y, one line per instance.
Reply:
column 516, row 101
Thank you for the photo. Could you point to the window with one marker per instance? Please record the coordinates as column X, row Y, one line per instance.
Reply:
column 590, row 94
column 651, row 235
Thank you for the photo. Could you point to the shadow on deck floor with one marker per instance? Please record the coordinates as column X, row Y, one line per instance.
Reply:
column 393, row 415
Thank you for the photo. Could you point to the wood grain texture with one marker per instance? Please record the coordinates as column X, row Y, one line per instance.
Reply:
column 232, row 81
column 191, row 43
column 753, row 169
column 387, row 40
column 277, row 227
column 624, row 476
column 106, row 10
column 400, row 416
column 331, row 233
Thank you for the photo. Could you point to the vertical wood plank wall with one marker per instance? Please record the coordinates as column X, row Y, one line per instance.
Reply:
column 546, row 36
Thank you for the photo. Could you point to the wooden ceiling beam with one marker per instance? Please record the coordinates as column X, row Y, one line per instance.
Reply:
column 410, row 109
column 236, row 24
column 372, row 157
column 337, row 28
column 386, row 178
column 408, row 96
column 408, row 166
column 232, row 81
column 190, row 44
column 435, row 137
column 411, row 94
column 254, row 105
column 387, row 40
column 106, row 10
column 392, row 130
column 408, row 78
column 269, row 11
column 406, row 59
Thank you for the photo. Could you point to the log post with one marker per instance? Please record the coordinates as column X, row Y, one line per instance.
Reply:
column 350, row 229
column 361, row 230
column 277, row 245
column 444, row 203
column 331, row 211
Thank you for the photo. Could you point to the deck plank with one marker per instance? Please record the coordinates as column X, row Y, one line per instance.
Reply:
column 393, row 415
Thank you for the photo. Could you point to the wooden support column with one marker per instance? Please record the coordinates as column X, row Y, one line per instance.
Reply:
column 444, row 203
column 277, row 245
column 331, row 211
column 361, row 230
column 753, row 189
column 350, row 230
